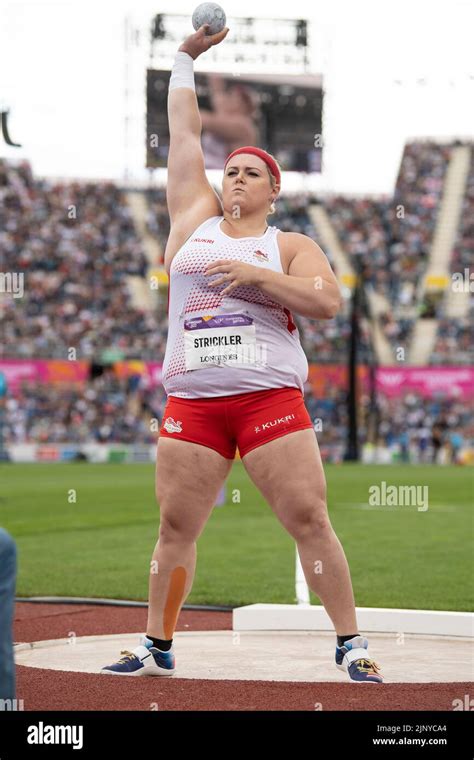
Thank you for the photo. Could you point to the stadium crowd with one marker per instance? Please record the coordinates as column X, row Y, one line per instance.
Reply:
column 388, row 240
column 454, row 338
column 76, row 244
column 111, row 409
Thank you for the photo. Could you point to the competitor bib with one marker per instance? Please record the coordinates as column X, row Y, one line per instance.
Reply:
column 223, row 339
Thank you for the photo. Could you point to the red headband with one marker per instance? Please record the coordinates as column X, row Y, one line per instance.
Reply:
column 261, row 154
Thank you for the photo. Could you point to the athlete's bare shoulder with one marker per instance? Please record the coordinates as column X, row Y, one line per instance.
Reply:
column 185, row 225
column 288, row 246
column 291, row 243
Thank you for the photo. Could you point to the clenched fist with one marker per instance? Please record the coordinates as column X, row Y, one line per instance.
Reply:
column 199, row 42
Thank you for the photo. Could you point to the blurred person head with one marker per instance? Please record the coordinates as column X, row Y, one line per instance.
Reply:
column 251, row 182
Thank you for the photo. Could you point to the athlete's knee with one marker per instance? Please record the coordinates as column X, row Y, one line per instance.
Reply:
column 308, row 517
column 178, row 530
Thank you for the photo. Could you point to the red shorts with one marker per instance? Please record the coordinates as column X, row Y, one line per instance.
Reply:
column 246, row 420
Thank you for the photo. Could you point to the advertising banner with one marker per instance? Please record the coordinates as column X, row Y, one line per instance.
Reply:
column 324, row 379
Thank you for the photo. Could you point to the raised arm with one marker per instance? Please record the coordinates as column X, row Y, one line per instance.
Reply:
column 187, row 184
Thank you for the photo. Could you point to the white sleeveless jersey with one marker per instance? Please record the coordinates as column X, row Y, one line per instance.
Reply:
column 237, row 343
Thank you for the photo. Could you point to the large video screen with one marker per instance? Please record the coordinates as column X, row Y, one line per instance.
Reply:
column 282, row 114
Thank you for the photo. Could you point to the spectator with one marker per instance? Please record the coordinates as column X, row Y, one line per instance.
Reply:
column 8, row 560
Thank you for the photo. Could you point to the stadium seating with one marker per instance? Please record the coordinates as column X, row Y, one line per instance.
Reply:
column 76, row 244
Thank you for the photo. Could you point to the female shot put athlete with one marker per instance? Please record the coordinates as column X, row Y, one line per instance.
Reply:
column 234, row 371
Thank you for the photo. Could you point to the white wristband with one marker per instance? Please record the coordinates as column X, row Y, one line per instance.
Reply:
column 182, row 73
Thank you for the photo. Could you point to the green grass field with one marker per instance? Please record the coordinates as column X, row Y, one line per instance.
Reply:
column 101, row 545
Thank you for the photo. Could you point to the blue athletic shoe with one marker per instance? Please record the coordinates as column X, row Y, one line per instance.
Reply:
column 144, row 660
column 353, row 658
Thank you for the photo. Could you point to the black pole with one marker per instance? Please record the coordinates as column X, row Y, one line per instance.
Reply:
column 352, row 450
column 373, row 419
column 360, row 307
